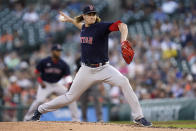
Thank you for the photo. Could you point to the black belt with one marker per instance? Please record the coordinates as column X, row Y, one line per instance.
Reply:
column 95, row 65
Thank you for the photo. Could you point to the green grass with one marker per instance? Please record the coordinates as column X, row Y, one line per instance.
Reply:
column 170, row 124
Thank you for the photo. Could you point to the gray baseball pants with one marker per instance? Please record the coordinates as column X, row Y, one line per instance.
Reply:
column 88, row 76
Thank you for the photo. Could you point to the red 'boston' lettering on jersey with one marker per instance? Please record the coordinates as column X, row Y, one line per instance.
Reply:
column 90, row 40
column 87, row 40
column 53, row 70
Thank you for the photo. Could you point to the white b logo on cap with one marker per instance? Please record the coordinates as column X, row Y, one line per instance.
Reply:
column 91, row 7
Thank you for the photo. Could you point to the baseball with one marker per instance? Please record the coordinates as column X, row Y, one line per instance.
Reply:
column 61, row 18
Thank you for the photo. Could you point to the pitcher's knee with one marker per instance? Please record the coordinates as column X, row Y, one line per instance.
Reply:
column 70, row 97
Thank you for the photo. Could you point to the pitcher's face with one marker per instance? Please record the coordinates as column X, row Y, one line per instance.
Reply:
column 90, row 18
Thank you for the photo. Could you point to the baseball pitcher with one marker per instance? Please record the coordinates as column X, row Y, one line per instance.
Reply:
column 95, row 63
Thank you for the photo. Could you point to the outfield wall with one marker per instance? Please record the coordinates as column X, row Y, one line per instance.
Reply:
column 162, row 110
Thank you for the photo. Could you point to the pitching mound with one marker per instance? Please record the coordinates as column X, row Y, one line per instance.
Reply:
column 76, row 126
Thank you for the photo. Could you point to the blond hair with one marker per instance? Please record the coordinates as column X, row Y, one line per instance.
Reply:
column 80, row 18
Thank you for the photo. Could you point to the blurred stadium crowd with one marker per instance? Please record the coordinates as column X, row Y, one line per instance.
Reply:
column 163, row 33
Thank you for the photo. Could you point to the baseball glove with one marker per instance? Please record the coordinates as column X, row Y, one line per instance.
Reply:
column 127, row 51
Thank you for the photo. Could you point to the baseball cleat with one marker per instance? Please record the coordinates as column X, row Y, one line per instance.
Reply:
column 142, row 122
column 36, row 116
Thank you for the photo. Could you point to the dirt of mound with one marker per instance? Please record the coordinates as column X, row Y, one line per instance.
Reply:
column 76, row 126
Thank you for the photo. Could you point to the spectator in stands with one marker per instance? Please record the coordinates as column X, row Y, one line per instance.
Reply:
column 6, row 38
column 55, row 4
column 31, row 16
column 18, row 10
column 12, row 60
column 159, row 15
column 14, row 89
column 169, row 6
